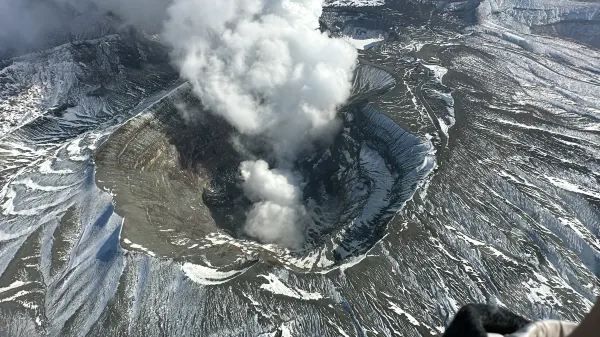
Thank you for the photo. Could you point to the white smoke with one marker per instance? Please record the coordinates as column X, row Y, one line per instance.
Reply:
column 278, row 214
column 267, row 69
column 261, row 64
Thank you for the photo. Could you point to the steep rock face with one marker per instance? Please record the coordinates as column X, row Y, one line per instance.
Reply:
column 570, row 19
column 537, row 12
column 579, row 21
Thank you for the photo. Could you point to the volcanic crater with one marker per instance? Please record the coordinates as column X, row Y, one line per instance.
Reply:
column 175, row 180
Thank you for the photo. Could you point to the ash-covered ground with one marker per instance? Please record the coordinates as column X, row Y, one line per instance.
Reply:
column 466, row 169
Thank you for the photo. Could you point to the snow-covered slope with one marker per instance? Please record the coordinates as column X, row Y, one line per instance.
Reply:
column 353, row 3
column 579, row 21
column 507, row 116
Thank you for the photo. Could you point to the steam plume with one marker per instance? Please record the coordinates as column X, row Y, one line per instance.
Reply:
column 261, row 64
column 266, row 68
column 278, row 215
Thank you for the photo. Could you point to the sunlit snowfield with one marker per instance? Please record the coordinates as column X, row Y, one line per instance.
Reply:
column 466, row 170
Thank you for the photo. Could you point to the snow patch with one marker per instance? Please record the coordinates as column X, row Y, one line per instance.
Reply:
column 353, row 3
column 207, row 275
column 279, row 288
column 362, row 44
column 394, row 307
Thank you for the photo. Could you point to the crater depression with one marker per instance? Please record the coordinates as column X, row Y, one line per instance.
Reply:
column 175, row 180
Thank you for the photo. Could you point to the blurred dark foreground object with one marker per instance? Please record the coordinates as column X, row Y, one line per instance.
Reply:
column 477, row 320
column 481, row 320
